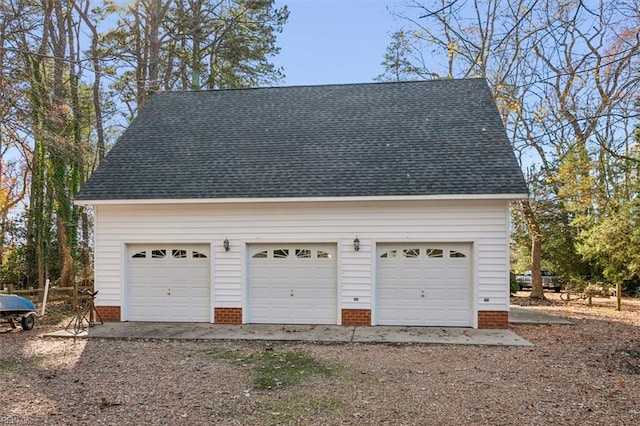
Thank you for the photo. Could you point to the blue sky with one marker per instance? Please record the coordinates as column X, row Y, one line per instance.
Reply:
column 334, row 41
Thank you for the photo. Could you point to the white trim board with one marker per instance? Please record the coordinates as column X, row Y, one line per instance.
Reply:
column 303, row 199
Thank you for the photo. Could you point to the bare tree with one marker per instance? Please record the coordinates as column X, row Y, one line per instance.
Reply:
column 563, row 75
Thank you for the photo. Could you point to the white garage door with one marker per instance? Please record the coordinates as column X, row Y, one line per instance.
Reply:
column 169, row 282
column 424, row 284
column 292, row 284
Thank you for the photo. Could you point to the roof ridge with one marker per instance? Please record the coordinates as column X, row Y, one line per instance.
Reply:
column 295, row 86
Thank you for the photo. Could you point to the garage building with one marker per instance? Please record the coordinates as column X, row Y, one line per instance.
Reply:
column 356, row 204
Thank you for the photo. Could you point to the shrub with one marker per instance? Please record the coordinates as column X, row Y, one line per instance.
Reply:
column 513, row 283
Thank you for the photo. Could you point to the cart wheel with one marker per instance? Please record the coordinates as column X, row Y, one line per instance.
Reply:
column 28, row 322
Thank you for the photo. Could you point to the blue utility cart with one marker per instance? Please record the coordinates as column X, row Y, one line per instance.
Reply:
column 15, row 308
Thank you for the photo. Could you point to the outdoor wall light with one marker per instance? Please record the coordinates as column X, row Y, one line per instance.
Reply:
column 356, row 244
column 226, row 244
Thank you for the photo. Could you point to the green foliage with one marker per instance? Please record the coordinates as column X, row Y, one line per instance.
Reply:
column 397, row 63
column 57, row 115
column 513, row 283
column 559, row 253
column 577, row 186
column 613, row 243
column 198, row 45
column 520, row 246
column 13, row 270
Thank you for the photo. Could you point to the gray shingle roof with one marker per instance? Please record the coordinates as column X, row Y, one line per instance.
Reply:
column 379, row 139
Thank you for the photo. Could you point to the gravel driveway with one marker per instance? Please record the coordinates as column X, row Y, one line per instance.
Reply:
column 586, row 373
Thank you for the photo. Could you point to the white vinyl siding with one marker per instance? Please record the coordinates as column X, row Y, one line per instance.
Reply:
column 482, row 223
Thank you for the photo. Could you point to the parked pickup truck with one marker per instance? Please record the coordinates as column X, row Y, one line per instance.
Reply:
column 549, row 280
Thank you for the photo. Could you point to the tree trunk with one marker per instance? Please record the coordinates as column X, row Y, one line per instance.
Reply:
column 66, row 272
column 537, row 291
column 36, row 220
column 141, row 56
column 155, row 20
column 84, row 251
column 100, row 142
column 60, row 154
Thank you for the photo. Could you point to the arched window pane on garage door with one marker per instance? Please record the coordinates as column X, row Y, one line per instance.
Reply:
column 456, row 254
column 179, row 254
column 434, row 252
column 411, row 253
column 303, row 253
column 391, row 254
column 261, row 255
column 280, row 253
column 320, row 254
column 158, row 254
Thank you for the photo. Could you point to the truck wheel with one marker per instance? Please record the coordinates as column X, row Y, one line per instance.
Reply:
column 28, row 322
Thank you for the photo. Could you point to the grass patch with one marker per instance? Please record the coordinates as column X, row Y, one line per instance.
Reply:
column 632, row 360
column 303, row 405
column 274, row 369
column 223, row 354
column 8, row 366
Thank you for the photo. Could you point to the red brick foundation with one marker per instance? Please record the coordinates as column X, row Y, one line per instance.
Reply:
column 493, row 319
column 109, row 313
column 351, row 317
column 227, row 315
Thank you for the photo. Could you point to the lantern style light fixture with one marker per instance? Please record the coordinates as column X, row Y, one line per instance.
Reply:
column 226, row 244
column 356, row 244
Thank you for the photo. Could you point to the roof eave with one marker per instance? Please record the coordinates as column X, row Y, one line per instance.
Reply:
column 438, row 197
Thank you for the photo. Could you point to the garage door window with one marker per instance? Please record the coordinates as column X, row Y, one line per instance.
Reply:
column 456, row 254
column 411, row 253
column 415, row 253
column 158, row 254
column 179, row 254
column 281, row 253
column 303, row 254
column 434, row 252
column 389, row 255
column 175, row 253
column 323, row 255
column 292, row 253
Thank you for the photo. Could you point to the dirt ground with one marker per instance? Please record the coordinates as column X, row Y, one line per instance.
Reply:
column 582, row 374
